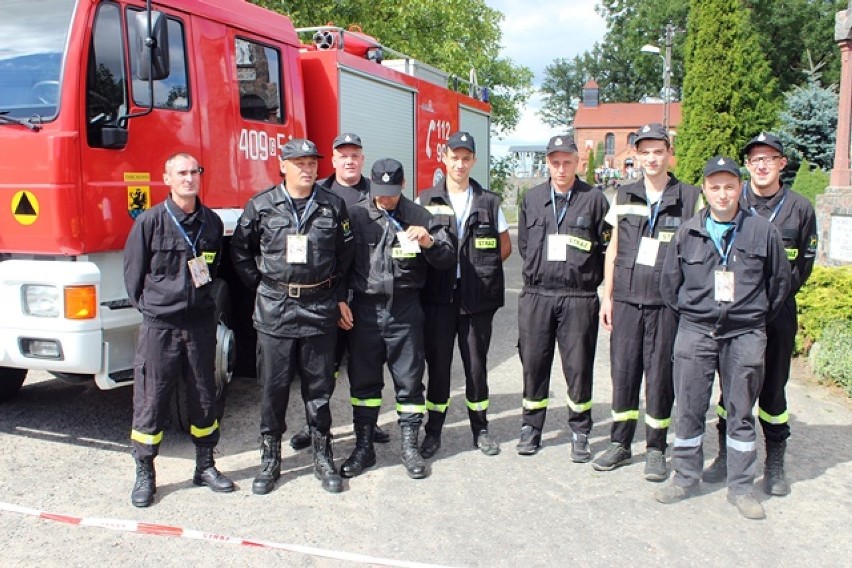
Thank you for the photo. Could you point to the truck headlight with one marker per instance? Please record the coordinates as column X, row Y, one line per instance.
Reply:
column 41, row 300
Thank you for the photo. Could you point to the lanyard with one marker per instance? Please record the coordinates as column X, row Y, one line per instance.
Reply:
column 653, row 213
column 724, row 254
column 300, row 221
column 562, row 213
column 774, row 211
column 461, row 219
column 392, row 220
column 183, row 232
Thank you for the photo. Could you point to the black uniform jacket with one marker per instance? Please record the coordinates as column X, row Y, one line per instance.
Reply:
column 796, row 220
column 584, row 223
column 639, row 283
column 156, row 272
column 482, row 285
column 761, row 274
column 350, row 194
column 379, row 268
column 259, row 254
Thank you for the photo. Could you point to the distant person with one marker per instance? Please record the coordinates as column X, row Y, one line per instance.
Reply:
column 171, row 256
column 562, row 237
column 726, row 274
column 765, row 195
column 462, row 300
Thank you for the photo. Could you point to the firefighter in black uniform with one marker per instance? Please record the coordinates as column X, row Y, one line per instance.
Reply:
column 395, row 240
column 347, row 181
column 645, row 216
column 171, row 255
column 562, row 235
column 293, row 245
column 726, row 275
column 794, row 216
column 463, row 299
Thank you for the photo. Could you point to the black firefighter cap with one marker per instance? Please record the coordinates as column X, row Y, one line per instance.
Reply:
column 718, row 164
column 561, row 143
column 461, row 140
column 653, row 131
column 299, row 148
column 764, row 139
column 387, row 178
column 347, row 139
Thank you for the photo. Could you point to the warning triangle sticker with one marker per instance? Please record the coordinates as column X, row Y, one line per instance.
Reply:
column 24, row 206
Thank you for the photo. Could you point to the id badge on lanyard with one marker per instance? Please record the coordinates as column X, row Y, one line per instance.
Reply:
column 199, row 271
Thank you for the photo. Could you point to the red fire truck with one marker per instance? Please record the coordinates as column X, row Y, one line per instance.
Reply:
column 96, row 94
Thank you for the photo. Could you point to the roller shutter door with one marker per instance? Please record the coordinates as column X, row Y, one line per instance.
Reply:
column 382, row 114
column 479, row 125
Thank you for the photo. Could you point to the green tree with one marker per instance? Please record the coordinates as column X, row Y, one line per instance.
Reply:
column 810, row 182
column 501, row 172
column 453, row 35
column 808, row 126
column 729, row 92
column 590, row 168
column 561, row 89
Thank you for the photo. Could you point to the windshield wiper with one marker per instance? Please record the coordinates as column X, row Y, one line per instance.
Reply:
column 22, row 122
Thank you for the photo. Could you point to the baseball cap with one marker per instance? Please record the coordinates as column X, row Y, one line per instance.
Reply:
column 764, row 139
column 347, row 138
column 718, row 164
column 653, row 131
column 299, row 148
column 461, row 140
column 561, row 144
column 387, row 178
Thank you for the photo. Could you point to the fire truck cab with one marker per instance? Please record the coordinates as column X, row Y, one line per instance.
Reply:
column 96, row 94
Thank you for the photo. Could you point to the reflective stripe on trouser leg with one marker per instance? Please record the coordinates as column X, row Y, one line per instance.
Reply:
column 626, row 364
column 474, row 341
column 437, row 415
column 577, row 335
column 695, row 357
column 404, row 348
column 660, row 329
column 197, row 432
column 440, row 327
column 780, row 340
column 741, row 363
column 477, row 415
column 536, row 344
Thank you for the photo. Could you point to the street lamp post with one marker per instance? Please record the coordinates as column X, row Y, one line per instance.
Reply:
column 667, row 69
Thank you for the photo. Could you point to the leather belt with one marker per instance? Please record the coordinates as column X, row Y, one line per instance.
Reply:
column 297, row 290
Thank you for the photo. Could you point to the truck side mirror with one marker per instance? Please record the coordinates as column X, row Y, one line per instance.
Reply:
column 152, row 55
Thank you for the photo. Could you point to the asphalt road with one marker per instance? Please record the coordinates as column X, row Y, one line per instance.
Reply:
column 65, row 449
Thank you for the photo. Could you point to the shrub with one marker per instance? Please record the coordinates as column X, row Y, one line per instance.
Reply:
column 810, row 182
column 833, row 359
column 823, row 300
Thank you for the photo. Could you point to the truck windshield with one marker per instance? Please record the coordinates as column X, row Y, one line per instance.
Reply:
column 33, row 40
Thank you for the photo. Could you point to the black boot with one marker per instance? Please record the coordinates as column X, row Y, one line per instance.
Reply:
column 364, row 455
column 270, row 462
column 324, row 462
column 411, row 458
column 301, row 439
column 718, row 470
column 206, row 472
column 380, row 436
column 774, row 482
column 146, row 483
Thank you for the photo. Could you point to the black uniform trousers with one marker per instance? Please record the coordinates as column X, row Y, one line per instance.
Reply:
column 163, row 357
column 739, row 362
column 772, row 405
column 642, row 339
column 572, row 322
column 444, row 323
column 387, row 330
column 279, row 359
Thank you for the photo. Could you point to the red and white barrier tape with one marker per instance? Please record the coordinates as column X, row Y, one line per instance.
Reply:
column 167, row 530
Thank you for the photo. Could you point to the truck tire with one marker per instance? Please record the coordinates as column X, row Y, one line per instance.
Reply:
column 10, row 382
column 224, row 361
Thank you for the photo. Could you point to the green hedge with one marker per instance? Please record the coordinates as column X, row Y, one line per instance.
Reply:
column 833, row 359
column 825, row 299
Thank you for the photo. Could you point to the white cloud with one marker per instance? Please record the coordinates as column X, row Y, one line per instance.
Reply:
column 534, row 34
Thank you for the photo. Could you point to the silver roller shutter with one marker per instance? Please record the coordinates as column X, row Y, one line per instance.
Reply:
column 382, row 114
column 479, row 124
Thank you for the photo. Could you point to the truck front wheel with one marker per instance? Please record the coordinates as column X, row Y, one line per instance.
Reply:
column 10, row 382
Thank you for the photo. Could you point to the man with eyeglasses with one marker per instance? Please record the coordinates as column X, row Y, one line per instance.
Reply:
column 765, row 195
column 170, row 259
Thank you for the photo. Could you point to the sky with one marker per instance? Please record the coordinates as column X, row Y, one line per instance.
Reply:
column 534, row 34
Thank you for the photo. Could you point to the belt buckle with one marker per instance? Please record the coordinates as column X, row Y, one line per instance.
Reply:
column 294, row 290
